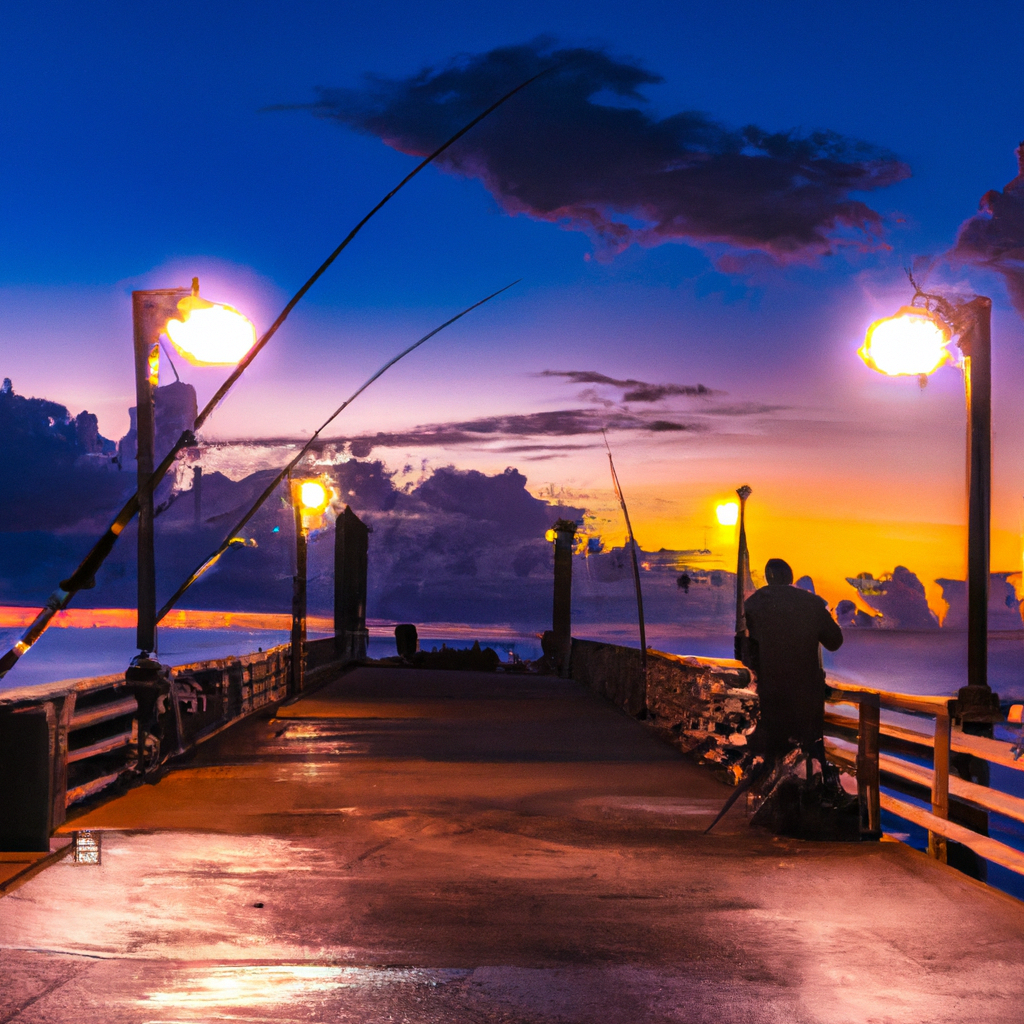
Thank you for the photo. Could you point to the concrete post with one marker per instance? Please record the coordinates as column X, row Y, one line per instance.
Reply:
column 561, row 620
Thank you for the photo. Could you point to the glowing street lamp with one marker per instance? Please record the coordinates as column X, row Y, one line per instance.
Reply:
column 913, row 343
column 208, row 334
column 310, row 500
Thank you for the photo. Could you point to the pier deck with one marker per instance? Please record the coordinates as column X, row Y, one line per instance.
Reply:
column 420, row 846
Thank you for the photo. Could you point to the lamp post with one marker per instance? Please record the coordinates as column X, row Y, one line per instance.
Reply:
column 206, row 334
column 913, row 342
column 310, row 499
column 151, row 310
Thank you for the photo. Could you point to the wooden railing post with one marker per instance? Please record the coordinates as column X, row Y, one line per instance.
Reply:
column 940, row 785
column 867, row 770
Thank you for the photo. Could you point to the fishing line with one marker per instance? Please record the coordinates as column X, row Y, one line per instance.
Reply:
column 84, row 577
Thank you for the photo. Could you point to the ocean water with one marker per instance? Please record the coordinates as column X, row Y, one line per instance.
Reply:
column 73, row 653
column 924, row 663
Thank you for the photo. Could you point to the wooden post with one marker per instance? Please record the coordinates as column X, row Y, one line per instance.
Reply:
column 298, row 595
column 561, row 619
column 150, row 312
column 351, row 541
column 146, row 355
column 867, row 770
column 977, row 349
column 940, row 785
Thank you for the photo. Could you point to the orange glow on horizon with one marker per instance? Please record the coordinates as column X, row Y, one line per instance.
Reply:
column 13, row 617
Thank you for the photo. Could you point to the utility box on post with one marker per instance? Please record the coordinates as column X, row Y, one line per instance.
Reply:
column 351, row 540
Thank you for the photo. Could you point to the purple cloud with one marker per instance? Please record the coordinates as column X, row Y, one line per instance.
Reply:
column 633, row 390
column 994, row 236
column 556, row 423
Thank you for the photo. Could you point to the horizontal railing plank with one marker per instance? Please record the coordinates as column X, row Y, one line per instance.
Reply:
column 849, row 693
column 103, row 746
column 970, row 792
column 87, row 789
column 983, row 846
column 103, row 713
column 994, row 751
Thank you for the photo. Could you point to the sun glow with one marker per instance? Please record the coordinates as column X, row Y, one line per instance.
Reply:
column 728, row 513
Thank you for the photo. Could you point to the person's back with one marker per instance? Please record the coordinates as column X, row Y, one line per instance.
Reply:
column 786, row 624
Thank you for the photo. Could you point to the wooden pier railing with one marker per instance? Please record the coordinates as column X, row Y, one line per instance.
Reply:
column 63, row 743
column 870, row 765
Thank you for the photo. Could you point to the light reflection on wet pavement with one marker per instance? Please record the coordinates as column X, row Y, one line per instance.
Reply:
column 427, row 847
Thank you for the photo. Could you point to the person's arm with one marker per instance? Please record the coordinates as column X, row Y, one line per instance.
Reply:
column 831, row 635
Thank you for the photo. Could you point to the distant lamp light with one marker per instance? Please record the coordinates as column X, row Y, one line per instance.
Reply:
column 549, row 536
column 210, row 333
column 728, row 513
column 912, row 343
column 313, row 495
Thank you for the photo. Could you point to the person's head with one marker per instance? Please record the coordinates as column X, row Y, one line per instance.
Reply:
column 777, row 572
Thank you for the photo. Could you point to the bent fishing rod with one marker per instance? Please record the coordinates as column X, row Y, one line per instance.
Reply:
column 636, row 567
column 272, row 486
column 84, row 577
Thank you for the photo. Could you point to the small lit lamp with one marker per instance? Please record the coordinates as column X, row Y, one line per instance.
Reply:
column 310, row 500
column 913, row 342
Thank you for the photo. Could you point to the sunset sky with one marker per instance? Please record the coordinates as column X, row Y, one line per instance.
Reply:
column 139, row 151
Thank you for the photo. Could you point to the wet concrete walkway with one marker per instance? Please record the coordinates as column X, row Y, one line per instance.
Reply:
column 423, row 846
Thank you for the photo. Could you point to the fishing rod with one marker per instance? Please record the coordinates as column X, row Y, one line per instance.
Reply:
column 636, row 567
column 84, row 577
column 232, row 537
column 741, row 639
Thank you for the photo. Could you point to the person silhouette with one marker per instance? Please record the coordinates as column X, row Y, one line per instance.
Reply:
column 785, row 625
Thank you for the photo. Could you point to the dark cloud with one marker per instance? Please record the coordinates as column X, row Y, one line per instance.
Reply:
column 557, row 423
column 744, row 409
column 60, row 460
column 576, row 148
column 633, row 390
column 994, row 236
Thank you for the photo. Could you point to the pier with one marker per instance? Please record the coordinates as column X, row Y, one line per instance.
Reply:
column 417, row 845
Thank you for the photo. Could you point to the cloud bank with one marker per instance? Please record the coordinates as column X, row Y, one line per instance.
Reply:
column 633, row 390
column 571, row 423
column 577, row 148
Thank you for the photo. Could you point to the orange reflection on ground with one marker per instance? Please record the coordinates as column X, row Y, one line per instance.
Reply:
column 13, row 616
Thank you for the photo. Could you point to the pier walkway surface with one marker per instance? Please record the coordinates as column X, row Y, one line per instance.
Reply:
column 407, row 845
